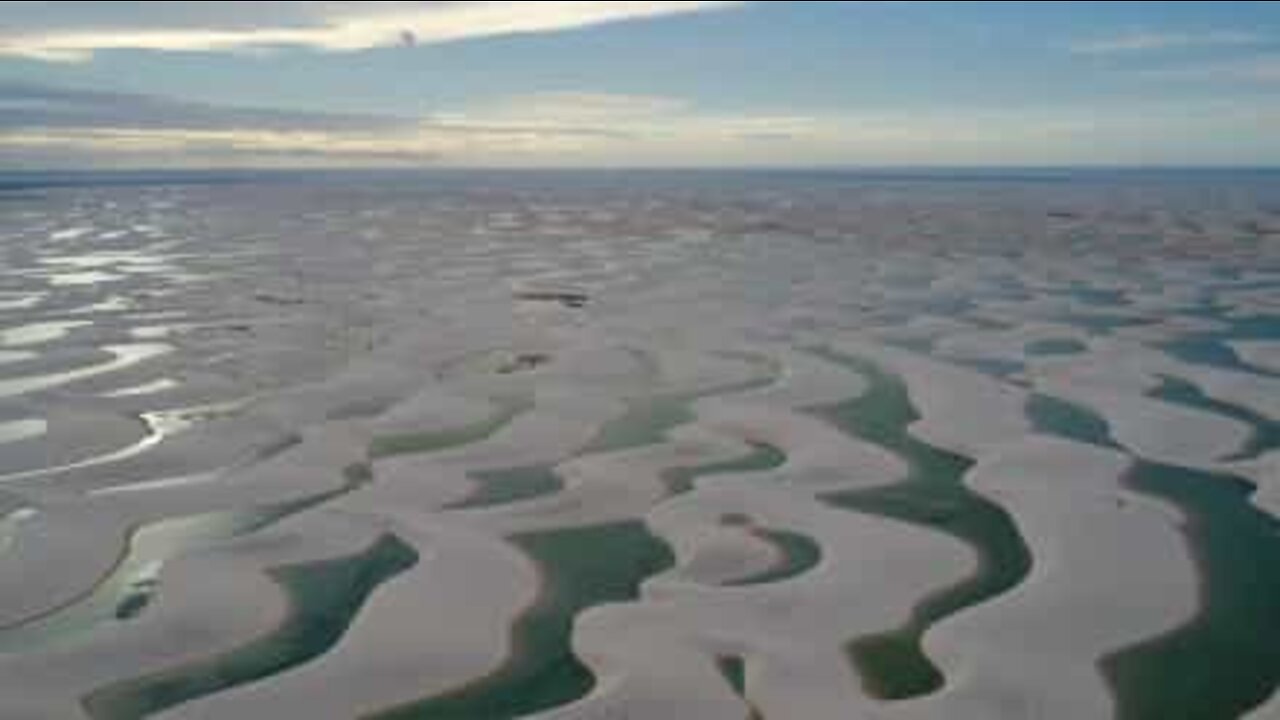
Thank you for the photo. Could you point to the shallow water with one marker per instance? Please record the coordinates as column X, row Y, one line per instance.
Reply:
column 1237, row 546
column 325, row 597
column 502, row 487
column 798, row 554
column 762, row 457
column 892, row 665
column 423, row 443
column 581, row 568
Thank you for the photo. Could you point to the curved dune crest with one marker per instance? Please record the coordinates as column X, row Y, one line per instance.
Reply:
column 781, row 628
column 436, row 627
column 1265, row 473
column 1261, row 353
column 1069, row 504
column 1162, row 431
column 1269, row 711
column 948, row 398
column 209, row 604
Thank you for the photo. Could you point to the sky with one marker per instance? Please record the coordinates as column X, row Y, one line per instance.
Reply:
column 636, row 84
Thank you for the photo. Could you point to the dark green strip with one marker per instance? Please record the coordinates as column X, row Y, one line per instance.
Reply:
column 1226, row 661
column 420, row 443
column 1051, row 416
column 761, row 458
column 501, row 487
column 1266, row 434
column 325, row 598
column 1053, row 347
column 800, row 554
column 735, row 673
column 893, row 665
column 645, row 423
column 649, row 419
column 581, row 568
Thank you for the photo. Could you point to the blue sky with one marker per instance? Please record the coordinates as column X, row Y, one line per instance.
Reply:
column 150, row 84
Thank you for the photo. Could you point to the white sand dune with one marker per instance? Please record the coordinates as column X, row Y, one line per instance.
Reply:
column 281, row 376
column 857, row 589
column 210, row 604
column 1033, row 652
column 1069, row 504
column 436, row 627
column 1264, row 354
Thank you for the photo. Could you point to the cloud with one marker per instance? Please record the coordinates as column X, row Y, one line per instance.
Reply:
column 1141, row 42
column 1258, row 69
column 635, row 115
column 585, row 106
column 546, row 128
column 40, row 31
column 109, row 126
column 25, row 106
column 58, row 127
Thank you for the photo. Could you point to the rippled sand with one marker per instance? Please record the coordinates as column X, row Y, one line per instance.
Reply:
column 691, row 445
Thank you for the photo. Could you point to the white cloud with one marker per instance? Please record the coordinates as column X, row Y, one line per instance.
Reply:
column 331, row 26
column 537, row 128
column 584, row 106
column 1140, row 42
column 598, row 129
column 1259, row 69
column 635, row 120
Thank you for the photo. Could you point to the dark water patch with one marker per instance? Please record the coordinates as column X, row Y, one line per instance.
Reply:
column 734, row 670
column 1050, row 416
column 800, row 554
column 763, row 457
column 503, row 487
column 1101, row 323
column 992, row 367
column 648, row 419
column 1255, row 327
column 581, row 568
column 1266, row 433
column 325, row 598
column 1203, row 308
column 1089, row 296
column 893, row 665
column 358, row 474
column 133, row 605
column 735, row 673
column 1209, row 351
column 423, row 443
column 1211, row 348
column 1098, row 297
column 1055, row 347
column 645, row 423
column 572, row 299
column 522, row 363
column 1225, row 661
